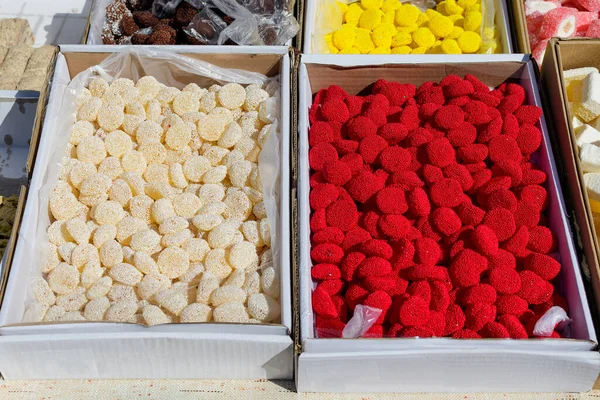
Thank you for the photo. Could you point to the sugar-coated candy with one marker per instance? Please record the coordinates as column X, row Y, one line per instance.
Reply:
column 96, row 308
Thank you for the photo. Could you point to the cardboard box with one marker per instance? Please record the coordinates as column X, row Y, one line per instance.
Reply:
column 519, row 25
column 562, row 55
column 315, row 8
column 115, row 350
column 439, row 364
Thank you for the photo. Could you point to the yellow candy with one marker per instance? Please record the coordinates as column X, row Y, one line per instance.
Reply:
column 473, row 8
column 455, row 17
column 353, row 14
column 407, row 15
column 371, row 4
column 440, row 26
column 370, row 19
column 382, row 35
column 422, row 19
column 401, row 39
column 595, row 205
column 441, row 8
column 488, row 47
column 408, row 29
column 401, row 50
column 472, row 21
column 343, row 7
column 488, row 33
column 350, row 50
column 456, row 31
column 390, row 5
column 424, row 38
column 450, row 46
column 419, row 50
column 363, row 41
column 329, row 41
column 344, row 37
column 452, row 8
column 380, row 50
column 388, row 17
column 469, row 42
column 430, row 13
column 466, row 3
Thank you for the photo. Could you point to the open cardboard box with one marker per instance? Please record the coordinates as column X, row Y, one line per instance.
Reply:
column 518, row 23
column 439, row 364
column 315, row 8
column 117, row 350
column 562, row 55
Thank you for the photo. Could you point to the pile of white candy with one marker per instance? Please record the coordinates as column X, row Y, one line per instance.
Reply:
column 159, row 212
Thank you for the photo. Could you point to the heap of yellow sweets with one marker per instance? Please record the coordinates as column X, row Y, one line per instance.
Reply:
column 392, row 27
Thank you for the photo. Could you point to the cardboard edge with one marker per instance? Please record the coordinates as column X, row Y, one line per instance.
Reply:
column 86, row 31
column 519, row 25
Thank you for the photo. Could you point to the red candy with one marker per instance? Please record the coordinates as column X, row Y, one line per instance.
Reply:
column 481, row 293
column 414, row 311
column 466, row 268
column 327, row 253
column 504, row 147
column 455, row 319
column 322, row 195
column 505, row 280
column 446, row 192
column 513, row 326
column 485, row 240
column 321, row 154
column 322, row 304
column 393, row 225
column 374, row 266
column 323, row 272
column 342, row 214
column 511, row 304
column 495, row 330
column 534, row 289
column 544, row 266
column 529, row 139
column 477, row 315
column 337, row 173
column 328, row 235
column 440, row 153
column 391, row 200
column 541, row 240
column 377, row 248
column 502, row 222
column 445, row 221
column 349, row 264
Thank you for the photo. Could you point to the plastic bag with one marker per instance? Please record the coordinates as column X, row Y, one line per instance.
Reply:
column 254, row 29
column 166, row 8
column 170, row 69
column 329, row 19
column 554, row 319
column 363, row 319
column 206, row 27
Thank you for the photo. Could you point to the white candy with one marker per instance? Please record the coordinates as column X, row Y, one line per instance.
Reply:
column 121, row 311
column 96, row 308
column 52, row 257
column 152, row 284
column 145, row 263
column 73, row 301
column 129, row 226
column 147, row 241
column 111, row 253
column 243, row 255
column 72, row 316
column 208, row 283
column 252, row 283
column 592, row 183
column 91, row 149
column 216, row 263
column 589, row 108
column 43, row 293
column 84, row 253
column 270, row 282
column 207, row 103
column 207, row 222
column 230, row 312
column 254, row 96
column 120, row 292
column 78, row 230
column 196, row 312
column 177, row 238
column 590, row 158
column 111, row 167
column 211, row 192
column 100, row 288
column 173, row 224
column 193, row 275
column 239, row 172
column 578, row 74
column 154, row 316
column 54, row 313
column 231, row 96
column 215, row 174
column 263, row 307
column 161, row 210
column 80, row 130
column 172, row 300
column 98, row 87
column 227, row 294
column 196, row 249
column 126, row 274
column 588, row 135
column 91, row 273
column 173, row 262
column 265, row 231
column 63, row 279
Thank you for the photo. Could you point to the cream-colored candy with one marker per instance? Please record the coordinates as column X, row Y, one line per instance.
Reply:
column 578, row 74
column 230, row 312
column 254, row 195
column 178, row 156
column 171, row 120
column 121, row 311
column 588, row 135
column 140, row 207
column 221, row 236
column 265, row 231
column 236, row 278
column 72, row 316
column 239, row 172
column 192, row 117
column 178, row 136
column 238, row 204
column 251, row 231
column 167, row 94
column 126, row 274
column 223, row 114
column 592, row 184
column 73, row 301
column 207, row 222
column 215, row 207
column 103, row 234
column 98, row 87
column 590, row 157
column 108, row 212
column 80, row 130
column 120, row 292
column 63, row 206
column 135, row 108
column 110, row 117
column 264, row 134
column 196, row 312
column 264, row 308
column 63, row 279
column 111, row 253
column 95, row 185
column 134, row 161
column 270, row 282
column 215, row 154
column 215, row 174
column 266, row 258
column 100, row 288
column 159, row 190
column 259, row 210
column 96, row 308
column 145, row 263
column 194, row 88
column 216, row 263
column 227, row 294
column 162, row 209
column 117, row 143
column 124, row 86
column 89, row 110
column 193, row 275
column 148, row 84
column 172, row 300
column 52, row 258
column 135, row 182
column 176, row 176
column 195, row 167
column 131, row 123
column 152, row 284
column 210, row 127
column 232, row 135
column 268, row 111
column 128, row 254
column 173, row 224
column 83, row 96
column 254, row 96
column 78, row 230
column 252, row 283
column 147, row 241
column 196, row 249
column 57, row 233
column 91, row 273
column 250, row 124
column 177, row 238
column 54, row 313
column 173, row 262
column 84, row 253
column 231, row 96
column 129, row 226
column 207, row 102
column 120, row 192
column 243, row 255
column 232, row 157
column 153, row 152
column 153, row 315
column 186, row 205
column 185, row 102
column 111, row 167
column 43, row 293
column 208, row 283
column 149, row 132
column 157, row 173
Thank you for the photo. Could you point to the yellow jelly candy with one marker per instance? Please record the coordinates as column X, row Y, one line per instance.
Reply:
column 343, row 7
column 401, row 50
column 350, row 50
column 488, row 33
column 401, row 39
column 370, row 19
column 472, row 21
column 456, row 17
column 452, row 8
column 488, row 47
column 424, row 38
column 380, row 50
column 466, row 3
column 430, row 13
column 382, row 36
column 450, row 46
column 473, row 8
column 456, row 31
column 353, row 14
column 469, row 42
column 440, row 26
column 422, row 19
column 363, row 41
column 408, row 29
column 390, row 5
column 371, row 4
column 388, row 17
column 407, row 15
column 441, row 8
column 344, row 37
column 419, row 50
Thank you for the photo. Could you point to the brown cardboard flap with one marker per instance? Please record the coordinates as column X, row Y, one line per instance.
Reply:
column 519, row 25
column 355, row 79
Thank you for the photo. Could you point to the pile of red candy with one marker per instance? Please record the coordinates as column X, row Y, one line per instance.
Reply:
column 426, row 205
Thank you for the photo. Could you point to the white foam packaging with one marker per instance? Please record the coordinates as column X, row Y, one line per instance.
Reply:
column 439, row 364
column 173, row 351
column 316, row 9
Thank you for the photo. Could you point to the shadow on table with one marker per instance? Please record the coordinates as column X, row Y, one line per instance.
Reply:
column 68, row 28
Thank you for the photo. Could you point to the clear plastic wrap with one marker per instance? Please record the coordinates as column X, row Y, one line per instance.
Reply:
column 170, row 69
column 206, row 27
column 363, row 319
column 554, row 319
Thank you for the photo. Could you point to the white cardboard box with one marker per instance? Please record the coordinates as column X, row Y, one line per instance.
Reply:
column 313, row 11
column 441, row 364
column 113, row 350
